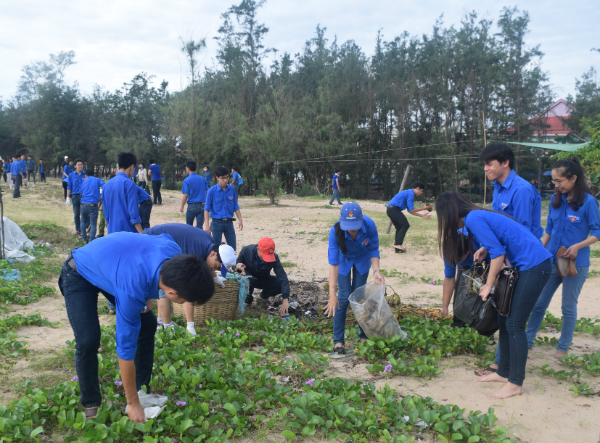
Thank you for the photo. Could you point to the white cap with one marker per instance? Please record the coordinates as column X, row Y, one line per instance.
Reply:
column 66, row 156
column 227, row 255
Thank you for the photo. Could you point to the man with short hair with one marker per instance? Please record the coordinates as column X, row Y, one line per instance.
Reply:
column 258, row 261
column 206, row 176
column 401, row 201
column 67, row 169
column 19, row 174
column 74, row 182
column 336, row 187
column 30, row 169
column 236, row 180
column 129, row 270
column 91, row 191
column 42, row 171
column 221, row 204
column 155, row 176
column 194, row 193
column 120, row 198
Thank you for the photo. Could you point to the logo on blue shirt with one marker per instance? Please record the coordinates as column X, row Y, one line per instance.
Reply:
column 574, row 218
column 504, row 205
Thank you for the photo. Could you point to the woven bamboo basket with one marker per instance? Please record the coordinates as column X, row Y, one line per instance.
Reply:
column 223, row 305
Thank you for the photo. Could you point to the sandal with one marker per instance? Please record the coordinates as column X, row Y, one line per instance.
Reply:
column 91, row 413
column 488, row 368
column 341, row 350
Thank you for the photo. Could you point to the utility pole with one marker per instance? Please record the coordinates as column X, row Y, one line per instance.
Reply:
column 484, row 176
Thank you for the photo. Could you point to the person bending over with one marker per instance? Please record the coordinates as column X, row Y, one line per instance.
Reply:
column 401, row 201
column 128, row 269
column 258, row 261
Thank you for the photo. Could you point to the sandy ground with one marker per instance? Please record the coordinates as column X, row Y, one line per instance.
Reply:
column 546, row 412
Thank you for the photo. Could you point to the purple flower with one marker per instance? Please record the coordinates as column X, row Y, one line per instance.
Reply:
column 180, row 403
column 432, row 282
column 262, row 333
column 118, row 383
column 310, row 382
column 221, row 332
column 388, row 368
column 237, row 335
column 74, row 378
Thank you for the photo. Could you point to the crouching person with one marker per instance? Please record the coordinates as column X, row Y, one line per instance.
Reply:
column 258, row 261
column 128, row 269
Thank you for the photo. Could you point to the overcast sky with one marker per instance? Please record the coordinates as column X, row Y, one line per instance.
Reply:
column 115, row 40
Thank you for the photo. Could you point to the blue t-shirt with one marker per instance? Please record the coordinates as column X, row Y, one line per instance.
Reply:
column 221, row 203
column 131, row 275
column 567, row 227
column 120, row 202
column 14, row 167
column 235, row 178
column 501, row 235
column 74, row 182
column 519, row 199
column 404, row 200
column 207, row 178
column 358, row 252
column 67, row 170
column 155, row 169
column 192, row 241
column 41, row 168
column 142, row 195
column 195, row 188
column 90, row 190
column 23, row 167
column 335, row 181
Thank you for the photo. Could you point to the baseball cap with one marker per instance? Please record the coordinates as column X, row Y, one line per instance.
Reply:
column 227, row 255
column 66, row 156
column 351, row 217
column 267, row 249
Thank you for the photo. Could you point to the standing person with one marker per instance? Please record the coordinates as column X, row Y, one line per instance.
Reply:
column 65, row 162
column 236, row 180
column 353, row 249
column 258, row 261
column 221, row 204
column 14, row 172
column 206, row 176
column 90, row 200
column 42, row 171
column 67, row 169
column 120, row 198
column 136, row 268
column 135, row 174
column 21, row 170
column 194, row 193
column 154, row 172
column 145, row 206
column 8, row 172
column 74, row 182
column 573, row 222
column 30, row 169
column 401, row 201
column 142, row 176
column 336, row 187
column 505, row 240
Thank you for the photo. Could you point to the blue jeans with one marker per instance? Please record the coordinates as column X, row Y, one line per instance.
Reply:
column 513, row 340
column 89, row 217
column 237, row 189
column 76, row 202
column 220, row 228
column 570, row 294
column 195, row 211
column 347, row 284
column 29, row 174
column 145, row 211
column 336, row 194
column 81, row 301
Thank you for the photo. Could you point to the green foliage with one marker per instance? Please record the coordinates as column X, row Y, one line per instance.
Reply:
column 306, row 190
column 583, row 324
column 10, row 347
column 27, row 289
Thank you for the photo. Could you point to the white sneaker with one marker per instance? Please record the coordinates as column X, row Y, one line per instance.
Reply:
column 192, row 331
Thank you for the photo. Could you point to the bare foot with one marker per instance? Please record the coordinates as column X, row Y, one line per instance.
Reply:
column 485, row 371
column 363, row 340
column 559, row 354
column 506, row 391
column 492, row 378
column 402, row 248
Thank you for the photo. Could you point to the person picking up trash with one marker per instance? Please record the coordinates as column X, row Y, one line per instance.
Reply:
column 258, row 261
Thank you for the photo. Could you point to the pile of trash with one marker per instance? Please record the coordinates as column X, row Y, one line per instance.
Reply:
column 16, row 242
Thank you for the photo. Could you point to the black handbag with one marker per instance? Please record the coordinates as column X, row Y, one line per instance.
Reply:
column 504, row 289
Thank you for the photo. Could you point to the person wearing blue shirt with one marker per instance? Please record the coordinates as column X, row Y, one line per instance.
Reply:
column 67, row 169
column 74, row 182
column 19, row 175
column 221, row 204
column 506, row 241
column 8, row 170
column 13, row 172
column 401, row 201
column 336, row 187
column 194, row 193
column 120, row 198
column 90, row 199
column 145, row 206
column 236, row 180
column 353, row 249
column 192, row 241
column 207, row 177
column 42, row 171
column 129, row 270
column 155, row 176
column 573, row 222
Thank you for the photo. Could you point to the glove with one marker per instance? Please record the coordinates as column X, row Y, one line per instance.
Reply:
column 68, row 202
column 220, row 281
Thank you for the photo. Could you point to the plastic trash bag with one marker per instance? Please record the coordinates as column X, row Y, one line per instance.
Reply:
column 153, row 404
column 468, row 305
column 16, row 242
column 373, row 313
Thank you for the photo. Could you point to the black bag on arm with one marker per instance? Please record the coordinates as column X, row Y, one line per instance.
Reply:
column 468, row 305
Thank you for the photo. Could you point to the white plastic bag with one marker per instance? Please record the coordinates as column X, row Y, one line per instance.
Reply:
column 16, row 242
column 373, row 313
column 153, row 404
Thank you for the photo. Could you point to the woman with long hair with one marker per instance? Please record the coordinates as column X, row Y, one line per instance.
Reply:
column 573, row 222
column 353, row 249
column 506, row 241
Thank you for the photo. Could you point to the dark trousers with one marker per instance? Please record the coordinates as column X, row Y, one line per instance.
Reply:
column 156, row 191
column 89, row 217
column 76, row 202
column 145, row 210
column 195, row 211
column 81, row 301
column 42, row 176
column 142, row 184
column 270, row 287
column 400, row 223
column 513, row 339
column 65, row 184
column 18, row 183
column 237, row 188
column 220, row 228
column 29, row 174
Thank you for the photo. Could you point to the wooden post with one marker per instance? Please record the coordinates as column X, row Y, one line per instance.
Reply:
column 387, row 231
column 484, row 176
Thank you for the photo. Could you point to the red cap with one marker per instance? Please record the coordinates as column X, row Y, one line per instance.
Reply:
column 267, row 249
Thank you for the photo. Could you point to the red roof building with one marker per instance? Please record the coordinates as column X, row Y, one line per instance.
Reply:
column 549, row 123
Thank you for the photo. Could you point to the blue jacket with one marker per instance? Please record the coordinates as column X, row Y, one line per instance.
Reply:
column 75, row 181
column 358, row 252
column 120, row 201
column 195, row 188
column 90, row 190
column 221, row 203
column 192, row 241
